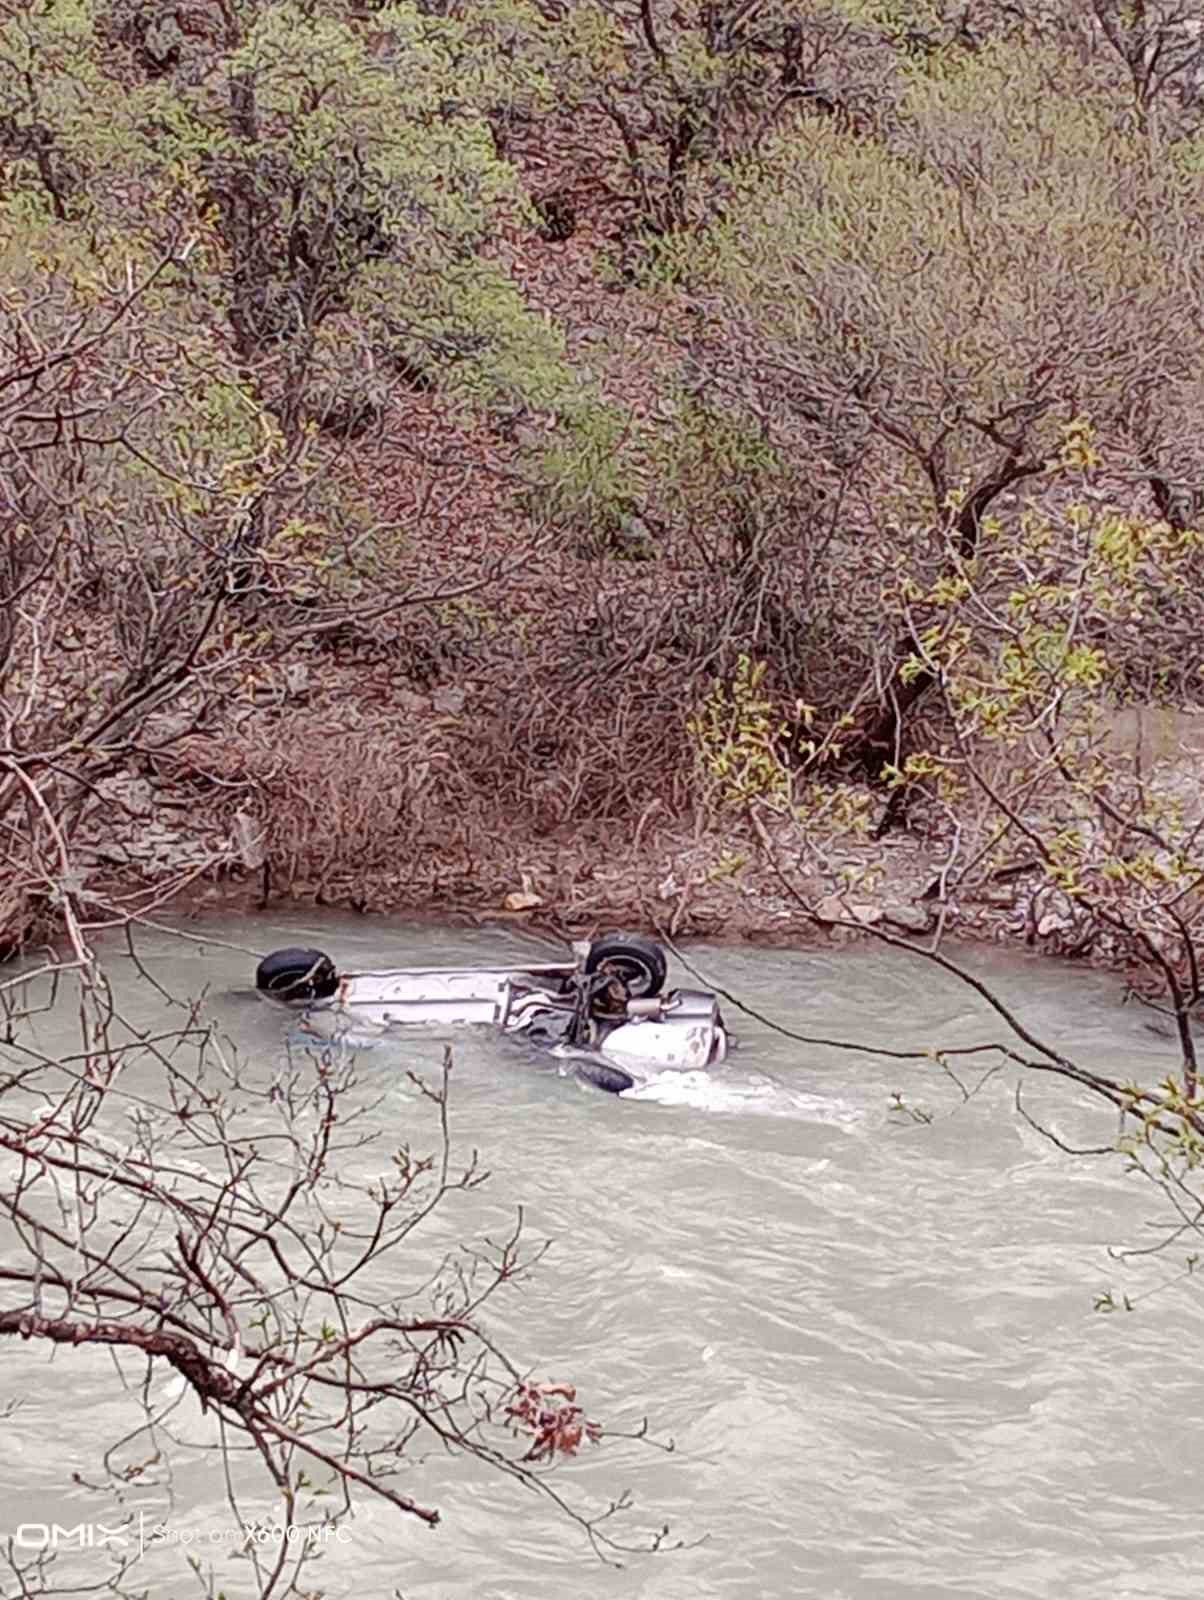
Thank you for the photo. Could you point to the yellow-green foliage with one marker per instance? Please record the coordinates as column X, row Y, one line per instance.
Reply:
column 159, row 206
column 731, row 864
column 1009, row 254
column 711, row 466
column 1033, row 651
column 1010, row 646
column 379, row 117
column 736, row 733
column 587, row 473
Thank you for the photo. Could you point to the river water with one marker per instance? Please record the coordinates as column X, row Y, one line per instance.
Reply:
column 871, row 1338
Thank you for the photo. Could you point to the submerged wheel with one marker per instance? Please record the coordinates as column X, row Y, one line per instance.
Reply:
column 297, row 975
column 611, row 1079
column 638, row 962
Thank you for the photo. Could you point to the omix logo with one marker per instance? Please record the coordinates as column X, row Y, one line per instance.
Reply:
column 53, row 1536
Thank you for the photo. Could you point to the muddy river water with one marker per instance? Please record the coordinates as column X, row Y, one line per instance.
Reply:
column 870, row 1332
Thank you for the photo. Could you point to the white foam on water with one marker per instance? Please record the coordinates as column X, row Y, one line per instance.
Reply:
column 756, row 1095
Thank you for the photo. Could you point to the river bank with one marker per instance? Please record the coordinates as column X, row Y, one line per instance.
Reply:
column 765, row 885
column 211, row 831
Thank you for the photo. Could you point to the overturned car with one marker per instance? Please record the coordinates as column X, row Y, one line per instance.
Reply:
column 606, row 1011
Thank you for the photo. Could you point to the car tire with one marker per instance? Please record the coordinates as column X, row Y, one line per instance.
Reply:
column 612, row 1080
column 638, row 962
column 297, row 975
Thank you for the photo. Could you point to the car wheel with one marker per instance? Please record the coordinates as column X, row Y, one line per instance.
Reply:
column 297, row 975
column 613, row 1080
column 638, row 962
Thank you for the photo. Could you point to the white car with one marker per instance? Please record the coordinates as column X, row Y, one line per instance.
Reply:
column 606, row 1010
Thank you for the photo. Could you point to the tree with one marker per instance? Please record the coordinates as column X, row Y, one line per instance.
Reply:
column 232, row 241
column 1162, row 47
column 674, row 92
column 940, row 305
column 1034, row 648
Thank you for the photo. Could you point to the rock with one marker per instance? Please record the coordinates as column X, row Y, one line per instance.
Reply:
column 449, row 700
column 521, row 900
column 249, row 840
column 134, row 795
column 1052, row 912
column 912, row 919
column 163, row 727
column 524, row 899
column 837, row 908
column 113, row 855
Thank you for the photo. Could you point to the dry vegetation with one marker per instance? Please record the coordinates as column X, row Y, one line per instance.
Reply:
column 562, row 456
column 727, row 466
